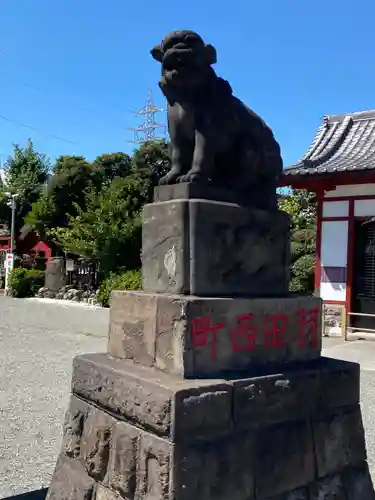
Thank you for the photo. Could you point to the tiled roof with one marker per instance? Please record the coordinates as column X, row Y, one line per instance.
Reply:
column 343, row 143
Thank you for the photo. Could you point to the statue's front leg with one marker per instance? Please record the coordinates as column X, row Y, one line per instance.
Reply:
column 203, row 160
column 181, row 148
column 177, row 168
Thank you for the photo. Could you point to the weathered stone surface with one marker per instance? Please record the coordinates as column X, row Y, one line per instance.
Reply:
column 70, row 481
column 330, row 488
column 209, row 248
column 122, row 469
column 132, row 328
column 155, row 468
column 174, row 408
column 358, row 484
column 73, row 427
column 194, row 337
column 300, row 494
column 339, row 384
column 275, row 398
column 339, row 441
column 152, row 399
column 192, row 191
column 284, row 459
column 102, row 493
column 96, row 438
column 216, row 470
column 55, row 276
column 295, row 394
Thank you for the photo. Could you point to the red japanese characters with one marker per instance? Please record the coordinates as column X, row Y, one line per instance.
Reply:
column 272, row 331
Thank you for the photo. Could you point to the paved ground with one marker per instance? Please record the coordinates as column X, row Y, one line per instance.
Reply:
column 37, row 344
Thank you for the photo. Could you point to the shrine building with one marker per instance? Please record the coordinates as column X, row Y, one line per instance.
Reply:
column 339, row 167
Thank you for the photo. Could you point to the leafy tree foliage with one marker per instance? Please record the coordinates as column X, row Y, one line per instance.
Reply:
column 113, row 165
column 301, row 206
column 26, row 173
column 152, row 162
column 92, row 209
column 108, row 231
column 72, row 178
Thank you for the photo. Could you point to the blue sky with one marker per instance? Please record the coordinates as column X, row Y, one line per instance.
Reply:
column 74, row 68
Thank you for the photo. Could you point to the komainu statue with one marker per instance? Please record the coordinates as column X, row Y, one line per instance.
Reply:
column 215, row 138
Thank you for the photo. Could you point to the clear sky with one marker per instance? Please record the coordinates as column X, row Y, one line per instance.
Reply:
column 73, row 69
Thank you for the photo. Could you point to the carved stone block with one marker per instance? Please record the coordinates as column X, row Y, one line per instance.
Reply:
column 331, row 488
column 210, row 248
column 152, row 399
column 122, row 468
column 193, row 337
column 96, row 438
column 339, row 441
column 285, row 454
column 216, row 470
column 358, row 484
column 70, row 481
column 73, row 427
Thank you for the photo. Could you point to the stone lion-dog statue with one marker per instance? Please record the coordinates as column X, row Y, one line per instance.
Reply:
column 215, row 138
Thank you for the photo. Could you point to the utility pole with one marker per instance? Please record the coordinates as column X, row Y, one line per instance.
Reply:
column 10, row 256
column 12, row 205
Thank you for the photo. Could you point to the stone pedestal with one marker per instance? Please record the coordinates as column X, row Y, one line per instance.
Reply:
column 214, row 249
column 211, row 397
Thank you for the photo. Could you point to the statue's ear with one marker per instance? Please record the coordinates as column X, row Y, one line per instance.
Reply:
column 210, row 54
column 157, row 53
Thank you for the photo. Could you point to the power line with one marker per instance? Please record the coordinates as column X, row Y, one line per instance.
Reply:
column 72, row 103
column 30, row 127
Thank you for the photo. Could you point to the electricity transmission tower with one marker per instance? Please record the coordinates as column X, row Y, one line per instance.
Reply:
column 146, row 131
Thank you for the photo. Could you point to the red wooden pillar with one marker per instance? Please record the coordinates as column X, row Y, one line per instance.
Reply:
column 350, row 258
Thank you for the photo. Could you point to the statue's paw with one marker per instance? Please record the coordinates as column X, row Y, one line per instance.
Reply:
column 169, row 178
column 192, row 177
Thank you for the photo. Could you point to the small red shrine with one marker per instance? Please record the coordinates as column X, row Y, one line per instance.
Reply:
column 340, row 167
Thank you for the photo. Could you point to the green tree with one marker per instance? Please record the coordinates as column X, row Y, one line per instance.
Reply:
column 26, row 173
column 113, row 165
column 152, row 161
column 73, row 177
column 301, row 206
column 4, row 209
column 108, row 232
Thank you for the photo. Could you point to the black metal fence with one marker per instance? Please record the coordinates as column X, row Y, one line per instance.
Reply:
column 81, row 273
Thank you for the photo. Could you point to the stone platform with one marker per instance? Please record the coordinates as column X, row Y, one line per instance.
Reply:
column 208, row 337
column 133, row 432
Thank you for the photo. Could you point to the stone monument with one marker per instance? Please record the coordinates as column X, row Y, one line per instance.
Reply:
column 213, row 386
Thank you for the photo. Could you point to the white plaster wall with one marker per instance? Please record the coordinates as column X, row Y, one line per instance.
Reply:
column 334, row 243
column 333, row 291
column 362, row 208
column 351, row 190
column 335, row 208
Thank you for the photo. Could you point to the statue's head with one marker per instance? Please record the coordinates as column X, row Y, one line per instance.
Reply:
column 186, row 60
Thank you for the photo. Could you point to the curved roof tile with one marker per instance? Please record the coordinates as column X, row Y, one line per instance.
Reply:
column 342, row 143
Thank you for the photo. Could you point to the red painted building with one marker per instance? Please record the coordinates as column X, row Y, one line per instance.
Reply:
column 30, row 243
column 340, row 167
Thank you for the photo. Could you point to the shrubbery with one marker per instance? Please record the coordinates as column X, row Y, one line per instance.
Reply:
column 127, row 280
column 25, row 282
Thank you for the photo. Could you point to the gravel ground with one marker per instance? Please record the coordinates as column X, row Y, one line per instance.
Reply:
column 38, row 341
